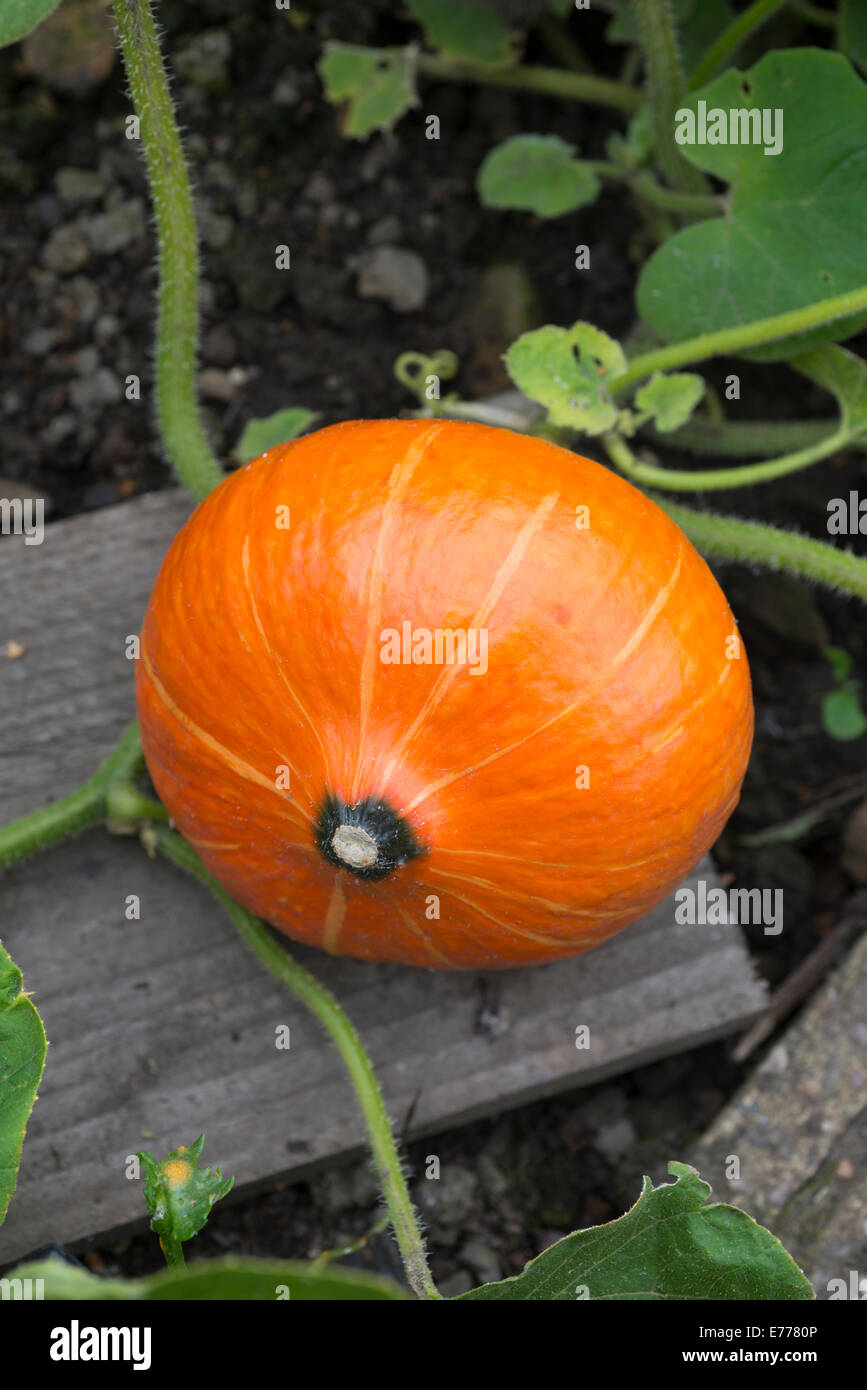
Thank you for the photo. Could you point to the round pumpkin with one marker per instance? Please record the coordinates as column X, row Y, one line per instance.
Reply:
column 441, row 694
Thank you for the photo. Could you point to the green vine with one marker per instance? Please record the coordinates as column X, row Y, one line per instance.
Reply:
column 665, row 88
column 753, row 543
column 748, row 438
column 179, row 418
column 703, row 480
column 85, row 807
column 731, row 39
column 159, row 839
column 741, row 337
column 556, row 82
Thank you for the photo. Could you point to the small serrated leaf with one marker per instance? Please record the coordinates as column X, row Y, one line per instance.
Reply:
column 840, row 660
column 179, row 1193
column 568, row 370
column 468, row 29
column 537, row 173
column 670, row 399
column 271, row 430
column 378, row 85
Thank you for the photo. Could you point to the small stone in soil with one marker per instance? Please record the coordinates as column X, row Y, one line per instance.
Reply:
column 447, row 1201
column 93, row 392
column 109, row 232
column 219, row 347
column 65, row 251
column 395, row 275
column 482, row 1259
column 77, row 186
column 615, row 1139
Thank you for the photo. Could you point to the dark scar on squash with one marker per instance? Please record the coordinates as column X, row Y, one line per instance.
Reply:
column 368, row 838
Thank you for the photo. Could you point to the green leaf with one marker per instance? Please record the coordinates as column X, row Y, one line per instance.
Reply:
column 538, row 173
column 378, row 84
column 22, row 1059
column 841, row 662
column 670, row 1245
column 794, row 227
column 567, row 370
column 852, row 31
column 468, row 29
column 634, row 148
column 561, row 8
column 670, row 399
column 230, row 1279
column 21, row 17
column 842, row 373
column 179, row 1193
column 271, row 430
column 698, row 23
column 842, row 715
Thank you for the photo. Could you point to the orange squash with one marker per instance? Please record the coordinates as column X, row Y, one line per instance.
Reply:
column 441, row 694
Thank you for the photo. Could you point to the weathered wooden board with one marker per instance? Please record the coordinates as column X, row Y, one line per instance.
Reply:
column 165, row 1027
column 798, row 1129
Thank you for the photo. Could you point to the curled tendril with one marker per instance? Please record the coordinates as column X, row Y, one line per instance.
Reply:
column 413, row 368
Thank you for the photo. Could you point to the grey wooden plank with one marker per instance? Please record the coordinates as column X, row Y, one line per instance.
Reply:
column 798, row 1130
column 165, row 1027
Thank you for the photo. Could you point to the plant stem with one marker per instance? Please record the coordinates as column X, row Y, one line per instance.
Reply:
column 696, row 204
column 749, row 438
column 814, row 14
column 561, row 45
column 557, row 82
column 177, row 318
column 345, row 1038
column 731, row 39
column 665, row 87
column 483, row 413
column 127, row 809
column 173, row 1251
column 718, row 478
column 741, row 337
column 84, row 807
column 752, row 543
column 646, row 186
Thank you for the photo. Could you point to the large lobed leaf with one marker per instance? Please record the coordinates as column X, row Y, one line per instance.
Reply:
column 229, row 1278
column 670, row 1245
column 793, row 232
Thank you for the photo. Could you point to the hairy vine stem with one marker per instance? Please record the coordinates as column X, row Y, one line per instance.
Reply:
column 180, row 421
column 86, row 806
column 751, row 542
column 717, row 479
column 557, row 82
column 741, row 337
column 665, row 87
column 322, row 1003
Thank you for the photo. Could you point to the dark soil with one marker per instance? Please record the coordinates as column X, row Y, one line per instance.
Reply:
column 270, row 168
